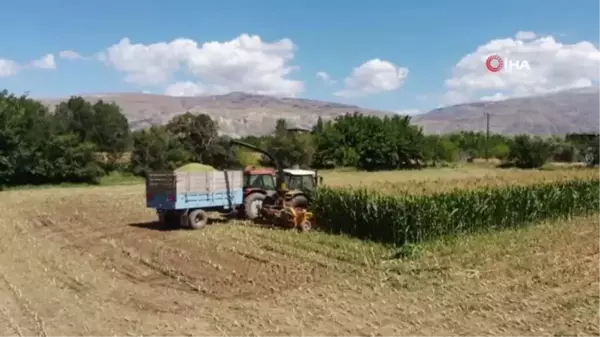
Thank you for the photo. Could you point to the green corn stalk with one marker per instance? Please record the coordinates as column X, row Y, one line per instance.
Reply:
column 411, row 219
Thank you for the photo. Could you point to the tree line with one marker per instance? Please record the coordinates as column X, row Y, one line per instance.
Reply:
column 389, row 143
column 38, row 146
column 80, row 141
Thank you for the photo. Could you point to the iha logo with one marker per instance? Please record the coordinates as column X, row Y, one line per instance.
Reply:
column 495, row 63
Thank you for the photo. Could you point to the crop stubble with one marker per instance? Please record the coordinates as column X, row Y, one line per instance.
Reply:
column 129, row 243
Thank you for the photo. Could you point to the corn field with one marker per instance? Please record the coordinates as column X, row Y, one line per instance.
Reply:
column 497, row 180
column 402, row 219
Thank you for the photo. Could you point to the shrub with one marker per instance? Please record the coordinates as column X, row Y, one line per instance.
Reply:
column 529, row 152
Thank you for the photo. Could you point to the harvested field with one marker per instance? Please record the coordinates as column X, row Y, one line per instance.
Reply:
column 77, row 261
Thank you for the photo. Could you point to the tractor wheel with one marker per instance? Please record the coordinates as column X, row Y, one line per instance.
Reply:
column 197, row 219
column 253, row 204
column 299, row 201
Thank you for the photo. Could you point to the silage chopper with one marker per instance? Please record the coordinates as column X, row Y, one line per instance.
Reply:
column 287, row 203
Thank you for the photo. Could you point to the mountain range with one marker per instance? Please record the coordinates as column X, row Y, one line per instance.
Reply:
column 559, row 113
column 240, row 114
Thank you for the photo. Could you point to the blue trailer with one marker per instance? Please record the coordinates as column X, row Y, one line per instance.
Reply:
column 185, row 198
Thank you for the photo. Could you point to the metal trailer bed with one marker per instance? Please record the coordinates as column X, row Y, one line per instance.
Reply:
column 184, row 198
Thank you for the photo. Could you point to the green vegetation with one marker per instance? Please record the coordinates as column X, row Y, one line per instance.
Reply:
column 38, row 147
column 415, row 218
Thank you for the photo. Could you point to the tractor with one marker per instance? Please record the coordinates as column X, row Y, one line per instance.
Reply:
column 256, row 181
column 287, row 204
column 305, row 181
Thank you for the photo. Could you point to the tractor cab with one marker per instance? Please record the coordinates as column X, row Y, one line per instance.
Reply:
column 259, row 178
column 304, row 180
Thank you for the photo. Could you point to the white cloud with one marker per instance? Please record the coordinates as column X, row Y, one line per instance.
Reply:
column 410, row 112
column 186, row 88
column 325, row 77
column 372, row 77
column 70, row 55
column 525, row 35
column 46, row 62
column 553, row 66
column 455, row 97
column 246, row 63
column 8, row 67
column 495, row 97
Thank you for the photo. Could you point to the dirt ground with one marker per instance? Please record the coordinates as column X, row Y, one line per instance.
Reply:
column 89, row 261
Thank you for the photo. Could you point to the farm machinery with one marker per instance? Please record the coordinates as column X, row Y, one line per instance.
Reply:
column 256, row 181
column 287, row 204
column 278, row 197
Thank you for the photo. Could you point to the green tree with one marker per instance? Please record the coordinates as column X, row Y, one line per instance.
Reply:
column 409, row 142
column 155, row 149
column 290, row 148
column 35, row 148
column 500, row 151
column 221, row 155
column 529, row 152
column 369, row 142
column 197, row 133
column 319, row 126
column 441, row 149
column 24, row 131
column 76, row 116
column 101, row 123
column 70, row 160
column 474, row 144
column 111, row 130
column 592, row 154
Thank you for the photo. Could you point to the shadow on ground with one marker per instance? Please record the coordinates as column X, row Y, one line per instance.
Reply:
column 157, row 226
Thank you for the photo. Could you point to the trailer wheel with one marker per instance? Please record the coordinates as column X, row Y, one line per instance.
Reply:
column 197, row 219
column 168, row 219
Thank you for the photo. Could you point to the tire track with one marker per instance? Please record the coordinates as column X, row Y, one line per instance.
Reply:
column 123, row 254
column 26, row 307
column 13, row 325
column 220, row 269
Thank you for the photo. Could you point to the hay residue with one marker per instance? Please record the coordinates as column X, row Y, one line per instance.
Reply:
column 195, row 167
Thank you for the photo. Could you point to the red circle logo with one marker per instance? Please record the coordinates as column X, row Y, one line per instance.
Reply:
column 494, row 63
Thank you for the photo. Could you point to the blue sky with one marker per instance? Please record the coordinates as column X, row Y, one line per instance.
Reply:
column 427, row 37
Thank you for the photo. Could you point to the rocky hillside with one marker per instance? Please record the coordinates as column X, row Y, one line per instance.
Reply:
column 242, row 114
column 570, row 111
column 238, row 113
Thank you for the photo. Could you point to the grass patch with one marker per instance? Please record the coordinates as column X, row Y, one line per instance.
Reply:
column 112, row 179
column 118, row 178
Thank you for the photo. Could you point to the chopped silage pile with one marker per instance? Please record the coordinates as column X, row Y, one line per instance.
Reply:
column 195, row 167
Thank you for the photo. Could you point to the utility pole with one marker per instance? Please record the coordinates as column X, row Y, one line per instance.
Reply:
column 487, row 135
